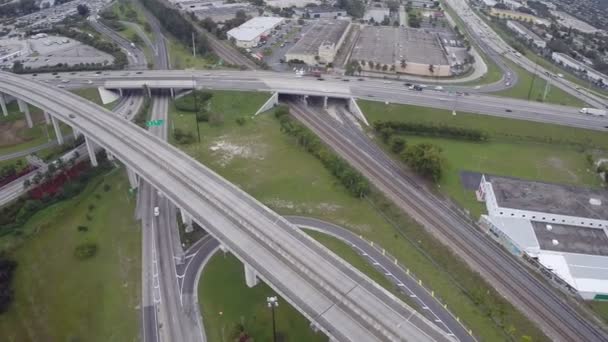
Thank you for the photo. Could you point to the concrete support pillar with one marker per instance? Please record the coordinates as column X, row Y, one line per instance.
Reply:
column 305, row 100
column 110, row 155
column 58, row 134
column 47, row 117
column 251, row 278
column 76, row 132
column 133, row 181
column 3, row 104
column 91, row 151
column 149, row 91
column 120, row 92
column 25, row 109
column 186, row 220
column 172, row 93
column 324, row 102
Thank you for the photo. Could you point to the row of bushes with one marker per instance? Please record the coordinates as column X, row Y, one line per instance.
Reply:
column 13, row 216
column 188, row 103
column 387, row 128
column 354, row 182
column 142, row 115
column 7, row 270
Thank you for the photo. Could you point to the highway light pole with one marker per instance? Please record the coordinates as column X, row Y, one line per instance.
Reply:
column 273, row 303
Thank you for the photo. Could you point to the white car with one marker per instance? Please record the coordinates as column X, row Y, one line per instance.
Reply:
column 156, row 211
column 89, row 81
column 438, row 88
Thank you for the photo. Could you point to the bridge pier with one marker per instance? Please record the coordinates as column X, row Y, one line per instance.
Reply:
column 24, row 108
column 76, row 132
column 133, row 181
column 3, row 104
column 149, row 91
column 91, row 149
column 186, row 220
column 251, row 278
column 324, row 102
column 172, row 93
column 47, row 117
column 120, row 92
column 57, row 129
column 305, row 100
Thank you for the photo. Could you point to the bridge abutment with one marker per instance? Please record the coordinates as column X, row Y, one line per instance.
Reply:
column 47, row 117
column 186, row 220
column 3, row 105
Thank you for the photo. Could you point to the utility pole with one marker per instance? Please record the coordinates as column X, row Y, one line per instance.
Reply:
column 273, row 303
column 533, row 79
column 193, row 45
column 198, row 130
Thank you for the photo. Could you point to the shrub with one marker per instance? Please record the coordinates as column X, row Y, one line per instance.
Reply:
column 240, row 121
column 397, row 144
column 91, row 207
column 85, row 251
column 107, row 187
column 83, row 228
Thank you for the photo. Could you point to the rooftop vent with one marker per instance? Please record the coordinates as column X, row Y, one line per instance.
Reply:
column 549, row 227
column 595, row 201
column 555, row 242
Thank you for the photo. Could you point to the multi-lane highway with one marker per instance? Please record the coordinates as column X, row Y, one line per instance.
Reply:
column 494, row 42
column 339, row 299
column 556, row 316
column 374, row 90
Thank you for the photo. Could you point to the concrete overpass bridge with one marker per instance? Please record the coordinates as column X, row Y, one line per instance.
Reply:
column 337, row 299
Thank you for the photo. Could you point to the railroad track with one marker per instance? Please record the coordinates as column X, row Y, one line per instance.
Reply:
column 277, row 241
column 455, row 230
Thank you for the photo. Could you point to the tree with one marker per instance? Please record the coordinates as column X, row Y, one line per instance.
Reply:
column 425, row 159
column 403, row 63
column 83, row 10
column 431, row 68
column 17, row 67
column 397, row 144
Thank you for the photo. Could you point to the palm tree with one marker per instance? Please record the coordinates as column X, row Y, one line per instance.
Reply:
column 403, row 63
column 431, row 68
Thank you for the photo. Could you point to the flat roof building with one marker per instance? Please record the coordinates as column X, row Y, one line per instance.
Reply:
column 249, row 33
column 572, row 63
column 526, row 34
column 325, row 12
column 562, row 228
column 321, row 43
column 401, row 50
column 224, row 12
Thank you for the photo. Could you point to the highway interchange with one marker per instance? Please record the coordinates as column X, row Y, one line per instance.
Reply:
column 164, row 260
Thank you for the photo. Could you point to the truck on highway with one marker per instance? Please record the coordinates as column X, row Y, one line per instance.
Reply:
column 594, row 111
column 133, row 45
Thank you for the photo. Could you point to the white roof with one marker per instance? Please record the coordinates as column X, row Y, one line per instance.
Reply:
column 586, row 273
column 519, row 230
column 253, row 28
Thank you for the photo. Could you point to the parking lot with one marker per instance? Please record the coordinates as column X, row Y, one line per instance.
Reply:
column 53, row 50
column 279, row 41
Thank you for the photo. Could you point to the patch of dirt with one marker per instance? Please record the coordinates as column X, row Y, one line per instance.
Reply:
column 10, row 133
column 559, row 165
column 228, row 150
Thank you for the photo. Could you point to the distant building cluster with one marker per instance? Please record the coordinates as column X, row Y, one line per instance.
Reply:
column 252, row 31
column 573, row 64
column 526, row 34
column 561, row 229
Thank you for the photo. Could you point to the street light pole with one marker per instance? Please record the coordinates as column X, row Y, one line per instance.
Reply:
column 273, row 303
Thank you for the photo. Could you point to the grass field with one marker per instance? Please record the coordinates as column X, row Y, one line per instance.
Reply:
column 269, row 165
column 526, row 80
column 61, row 298
column 517, row 148
column 92, row 94
column 181, row 57
column 227, row 301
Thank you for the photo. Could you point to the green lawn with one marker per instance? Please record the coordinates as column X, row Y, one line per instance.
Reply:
column 270, row 166
column 61, row 298
column 551, row 153
column 227, row 301
column 180, row 57
column 601, row 308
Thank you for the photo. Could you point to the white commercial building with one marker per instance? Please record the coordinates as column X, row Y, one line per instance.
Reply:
column 572, row 63
column 526, row 34
column 562, row 228
column 249, row 33
column 376, row 14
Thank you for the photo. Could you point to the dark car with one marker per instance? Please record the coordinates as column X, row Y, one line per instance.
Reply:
column 360, row 79
column 508, row 110
column 320, row 79
column 346, row 80
column 407, row 84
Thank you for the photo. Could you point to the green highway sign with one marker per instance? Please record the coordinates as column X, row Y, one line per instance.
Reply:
column 151, row 123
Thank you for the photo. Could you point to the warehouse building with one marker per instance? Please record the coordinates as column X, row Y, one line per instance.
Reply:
column 321, row 43
column 563, row 229
column 573, row 64
column 383, row 49
column 526, row 34
column 249, row 33
column 223, row 12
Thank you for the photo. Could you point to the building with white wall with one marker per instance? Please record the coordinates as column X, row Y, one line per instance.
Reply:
column 526, row 34
column 321, row 43
column 563, row 228
column 249, row 33
column 573, row 64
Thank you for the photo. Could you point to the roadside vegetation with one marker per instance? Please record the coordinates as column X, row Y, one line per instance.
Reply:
column 274, row 168
column 78, row 267
column 513, row 148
